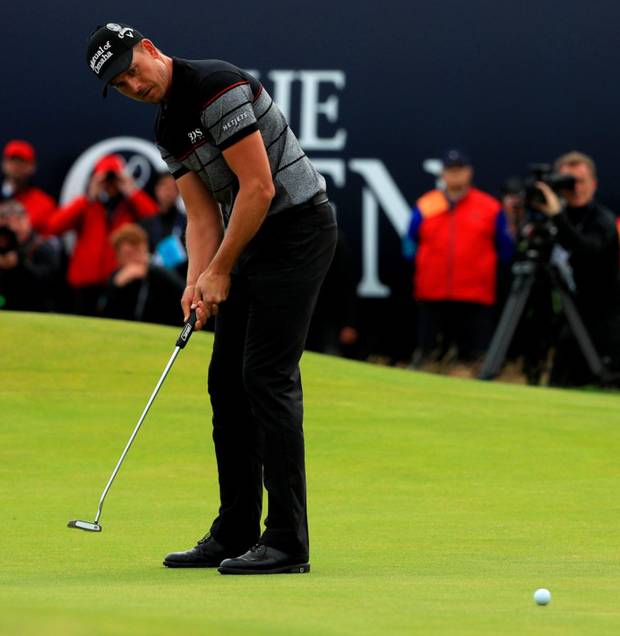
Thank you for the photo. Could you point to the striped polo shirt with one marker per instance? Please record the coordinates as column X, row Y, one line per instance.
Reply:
column 212, row 105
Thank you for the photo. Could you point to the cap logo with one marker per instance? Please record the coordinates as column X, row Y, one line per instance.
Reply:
column 101, row 56
column 119, row 30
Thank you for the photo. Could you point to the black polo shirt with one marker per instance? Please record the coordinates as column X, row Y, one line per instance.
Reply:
column 213, row 105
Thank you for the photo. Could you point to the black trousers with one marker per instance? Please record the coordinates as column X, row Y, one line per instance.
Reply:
column 441, row 324
column 255, row 383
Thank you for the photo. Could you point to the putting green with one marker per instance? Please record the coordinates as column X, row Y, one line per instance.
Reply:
column 436, row 505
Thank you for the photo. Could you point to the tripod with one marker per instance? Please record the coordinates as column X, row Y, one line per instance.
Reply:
column 526, row 274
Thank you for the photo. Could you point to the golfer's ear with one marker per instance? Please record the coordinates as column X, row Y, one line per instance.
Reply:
column 148, row 47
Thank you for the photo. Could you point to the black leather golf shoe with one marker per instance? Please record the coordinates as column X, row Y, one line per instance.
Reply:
column 207, row 553
column 261, row 559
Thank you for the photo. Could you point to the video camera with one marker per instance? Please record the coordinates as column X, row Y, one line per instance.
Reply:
column 543, row 172
column 535, row 231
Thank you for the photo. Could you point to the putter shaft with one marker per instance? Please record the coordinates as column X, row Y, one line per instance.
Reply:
column 135, row 431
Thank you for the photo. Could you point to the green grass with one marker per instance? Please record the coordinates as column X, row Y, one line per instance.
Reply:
column 436, row 505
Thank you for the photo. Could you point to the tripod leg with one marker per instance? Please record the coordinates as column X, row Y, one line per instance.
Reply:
column 504, row 333
column 582, row 336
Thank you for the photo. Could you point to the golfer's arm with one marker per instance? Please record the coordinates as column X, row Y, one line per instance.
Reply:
column 248, row 160
column 205, row 227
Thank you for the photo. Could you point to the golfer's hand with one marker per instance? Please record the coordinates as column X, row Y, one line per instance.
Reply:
column 187, row 304
column 186, row 301
column 210, row 290
column 552, row 205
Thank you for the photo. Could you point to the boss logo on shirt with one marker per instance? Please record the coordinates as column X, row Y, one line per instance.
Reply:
column 195, row 135
column 235, row 121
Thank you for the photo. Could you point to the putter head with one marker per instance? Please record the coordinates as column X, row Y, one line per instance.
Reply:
column 85, row 525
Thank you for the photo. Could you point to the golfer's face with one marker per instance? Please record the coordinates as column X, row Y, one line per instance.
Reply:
column 146, row 79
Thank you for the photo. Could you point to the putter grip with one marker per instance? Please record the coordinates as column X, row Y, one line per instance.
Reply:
column 188, row 329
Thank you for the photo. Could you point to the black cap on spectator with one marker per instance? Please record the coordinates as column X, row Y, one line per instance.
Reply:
column 110, row 50
column 455, row 157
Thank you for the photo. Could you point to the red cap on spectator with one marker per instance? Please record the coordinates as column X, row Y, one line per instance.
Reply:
column 18, row 149
column 110, row 163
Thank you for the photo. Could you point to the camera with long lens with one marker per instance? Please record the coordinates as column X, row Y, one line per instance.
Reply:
column 536, row 232
column 544, row 173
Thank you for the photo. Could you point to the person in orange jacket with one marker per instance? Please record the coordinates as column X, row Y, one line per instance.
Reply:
column 460, row 234
column 19, row 165
column 112, row 200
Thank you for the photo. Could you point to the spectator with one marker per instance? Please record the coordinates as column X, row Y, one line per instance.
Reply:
column 28, row 263
column 587, row 235
column 139, row 290
column 112, row 200
column 166, row 230
column 458, row 233
column 18, row 168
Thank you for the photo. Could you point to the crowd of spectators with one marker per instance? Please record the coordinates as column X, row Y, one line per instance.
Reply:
column 118, row 252
column 113, row 251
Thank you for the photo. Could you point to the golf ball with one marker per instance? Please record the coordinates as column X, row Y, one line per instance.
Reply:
column 542, row 596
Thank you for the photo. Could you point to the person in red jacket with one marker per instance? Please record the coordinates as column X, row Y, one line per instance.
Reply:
column 19, row 164
column 112, row 199
column 459, row 234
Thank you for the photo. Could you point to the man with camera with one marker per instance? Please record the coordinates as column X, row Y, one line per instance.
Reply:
column 586, row 232
column 28, row 264
column 112, row 199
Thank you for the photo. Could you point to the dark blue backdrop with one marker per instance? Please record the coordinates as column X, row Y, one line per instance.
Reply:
column 511, row 82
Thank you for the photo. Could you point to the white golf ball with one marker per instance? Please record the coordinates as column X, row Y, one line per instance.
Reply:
column 542, row 596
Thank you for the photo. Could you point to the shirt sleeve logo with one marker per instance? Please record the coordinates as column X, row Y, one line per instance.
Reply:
column 234, row 122
column 120, row 31
column 195, row 135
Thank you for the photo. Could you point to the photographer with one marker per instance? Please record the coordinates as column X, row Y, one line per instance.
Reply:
column 587, row 236
column 111, row 201
column 28, row 263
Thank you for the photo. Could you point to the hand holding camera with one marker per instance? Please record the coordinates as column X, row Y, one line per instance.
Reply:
column 552, row 204
column 110, row 182
column 95, row 186
column 125, row 183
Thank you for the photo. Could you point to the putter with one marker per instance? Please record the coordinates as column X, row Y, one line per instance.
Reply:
column 95, row 526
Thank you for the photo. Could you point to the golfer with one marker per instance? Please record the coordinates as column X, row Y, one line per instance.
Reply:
column 239, row 166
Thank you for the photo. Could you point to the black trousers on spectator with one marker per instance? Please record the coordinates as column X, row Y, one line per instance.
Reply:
column 255, row 383
column 441, row 324
column 86, row 300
